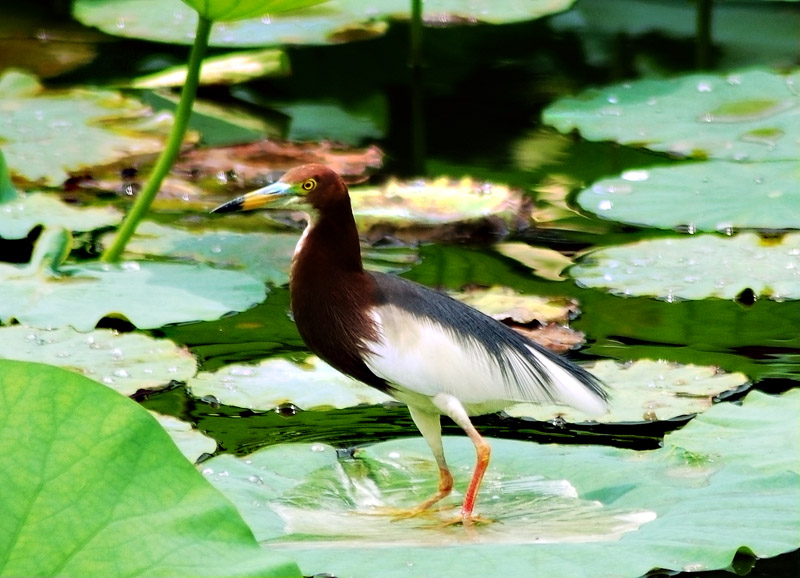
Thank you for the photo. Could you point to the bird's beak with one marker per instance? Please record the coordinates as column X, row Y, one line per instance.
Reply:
column 278, row 195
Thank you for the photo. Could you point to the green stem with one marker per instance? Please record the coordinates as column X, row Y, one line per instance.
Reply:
column 415, row 43
column 703, row 34
column 171, row 149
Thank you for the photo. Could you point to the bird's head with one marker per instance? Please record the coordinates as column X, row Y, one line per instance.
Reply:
column 311, row 186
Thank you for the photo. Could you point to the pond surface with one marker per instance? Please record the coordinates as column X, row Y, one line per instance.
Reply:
column 475, row 110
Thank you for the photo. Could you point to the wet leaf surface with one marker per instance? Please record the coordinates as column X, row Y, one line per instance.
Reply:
column 646, row 390
column 706, row 196
column 697, row 267
column 125, row 362
column 749, row 115
column 42, row 127
column 675, row 507
column 332, row 22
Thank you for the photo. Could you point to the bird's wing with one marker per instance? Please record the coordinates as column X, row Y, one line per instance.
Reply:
column 430, row 344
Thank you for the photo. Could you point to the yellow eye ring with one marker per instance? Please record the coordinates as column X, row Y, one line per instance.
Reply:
column 309, row 185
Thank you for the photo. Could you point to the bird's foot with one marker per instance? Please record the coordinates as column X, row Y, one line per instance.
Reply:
column 468, row 521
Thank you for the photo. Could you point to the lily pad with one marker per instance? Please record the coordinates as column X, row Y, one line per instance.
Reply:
column 47, row 135
column 266, row 257
column 743, row 116
column 546, row 263
column 565, row 510
column 332, row 22
column 125, row 362
column 438, row 209
column 101, row 479
column 192, row 443
column 20, row 213
column 148, row 294
column 503, row 303
column 707, row 196
column 697, row 267
column 315, row 385
column 645, row 390
column 226, row 69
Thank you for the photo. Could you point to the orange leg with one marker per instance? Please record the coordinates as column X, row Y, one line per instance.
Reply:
column 484, row 453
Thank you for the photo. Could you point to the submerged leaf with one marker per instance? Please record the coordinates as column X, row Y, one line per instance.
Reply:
column 567, row 510
column 697, row 267
column 101, row 480
column 125, row 362
column 645, row 390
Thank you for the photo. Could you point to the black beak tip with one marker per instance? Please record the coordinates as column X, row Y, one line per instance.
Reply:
column 229, row 207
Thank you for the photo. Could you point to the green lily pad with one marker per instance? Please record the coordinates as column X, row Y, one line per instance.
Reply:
column 560, row 509
column 743, row 116
column 266, row 257
column 315, row 385
column 101, row 480
column 707, row 196
column 503, row 303
column 20, row 213
column 240, row 9
column 645, row 390
column 332, row 22
column 125, row 362
column 191, row 442
column 148, row 294
column 226, row 69
column 438, row 209
column 697, row 267
column 47, row 135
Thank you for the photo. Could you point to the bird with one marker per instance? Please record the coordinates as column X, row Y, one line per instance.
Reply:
column 437, row 355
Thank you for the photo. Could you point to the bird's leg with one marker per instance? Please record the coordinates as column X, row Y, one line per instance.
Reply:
column 455, row 410
column 429, row 425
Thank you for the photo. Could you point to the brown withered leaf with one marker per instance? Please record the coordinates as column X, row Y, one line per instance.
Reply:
column 553, row 336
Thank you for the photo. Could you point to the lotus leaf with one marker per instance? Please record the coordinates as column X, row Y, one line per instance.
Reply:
column 98, row 489
column 565, row 510
column 125, row 362
column 225, row 69
column 332, row 22
column 646, row 390
column 546, row 263
column 148, row 294
column 503, row 303
column 314, row 385
column 743, row 116
column 441, row 208
column 707, row 196
column 264, row 256
column 47, row 135
column 192, row 443
column 697, row 267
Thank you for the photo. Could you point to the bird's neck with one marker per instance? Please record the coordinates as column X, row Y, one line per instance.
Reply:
column 329, row 246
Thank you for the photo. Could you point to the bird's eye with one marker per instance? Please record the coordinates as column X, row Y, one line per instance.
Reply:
column 309, row 185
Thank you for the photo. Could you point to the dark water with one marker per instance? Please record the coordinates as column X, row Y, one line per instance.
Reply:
column 481, row 89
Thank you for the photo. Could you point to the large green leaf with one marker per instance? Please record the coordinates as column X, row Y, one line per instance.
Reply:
column 149, row 294
column 332, row 22
column 564, row 510
column 697, row 267
column 743, row 116
column 47, row 135
column 125, row 362
column 707, row 196
column 93, row 486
